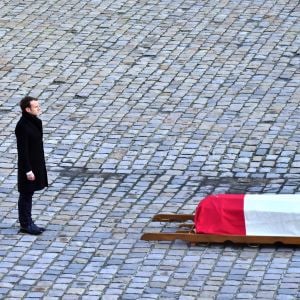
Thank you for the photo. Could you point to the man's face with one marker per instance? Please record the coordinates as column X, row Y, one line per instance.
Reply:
column 34, row 108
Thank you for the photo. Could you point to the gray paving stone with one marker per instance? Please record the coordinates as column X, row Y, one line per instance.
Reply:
column 147, row 108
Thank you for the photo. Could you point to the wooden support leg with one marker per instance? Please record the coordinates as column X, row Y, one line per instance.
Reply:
column 172, row 218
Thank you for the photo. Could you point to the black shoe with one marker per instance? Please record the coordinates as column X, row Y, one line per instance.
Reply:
column 31, row 229
column 42, row 229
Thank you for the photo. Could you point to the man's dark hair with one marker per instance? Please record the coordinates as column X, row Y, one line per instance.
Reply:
column 25, row 102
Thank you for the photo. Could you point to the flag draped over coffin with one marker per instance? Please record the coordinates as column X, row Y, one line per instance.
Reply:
column 249, row 214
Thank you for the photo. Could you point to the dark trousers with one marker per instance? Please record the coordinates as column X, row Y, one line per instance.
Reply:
column 24, row 208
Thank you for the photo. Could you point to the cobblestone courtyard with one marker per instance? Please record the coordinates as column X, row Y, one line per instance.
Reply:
column 148, row 106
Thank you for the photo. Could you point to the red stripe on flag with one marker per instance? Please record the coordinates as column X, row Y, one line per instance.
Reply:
column 221, row 214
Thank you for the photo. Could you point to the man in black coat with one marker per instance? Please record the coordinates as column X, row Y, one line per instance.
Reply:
column 32, row 173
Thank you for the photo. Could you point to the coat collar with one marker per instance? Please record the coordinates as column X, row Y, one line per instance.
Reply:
column 33, row 120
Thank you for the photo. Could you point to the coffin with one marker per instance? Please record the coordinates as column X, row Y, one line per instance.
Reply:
column 249, row 215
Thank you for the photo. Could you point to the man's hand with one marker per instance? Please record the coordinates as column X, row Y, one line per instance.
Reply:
column 30, row 176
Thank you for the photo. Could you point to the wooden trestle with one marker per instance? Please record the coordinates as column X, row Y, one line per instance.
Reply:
column 189, row 235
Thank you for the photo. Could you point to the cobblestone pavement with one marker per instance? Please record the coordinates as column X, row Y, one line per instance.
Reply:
column 149, row 106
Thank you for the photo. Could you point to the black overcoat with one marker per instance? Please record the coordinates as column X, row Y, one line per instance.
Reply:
column 29, row 134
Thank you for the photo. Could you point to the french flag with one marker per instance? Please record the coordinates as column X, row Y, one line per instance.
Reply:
column 249, row 214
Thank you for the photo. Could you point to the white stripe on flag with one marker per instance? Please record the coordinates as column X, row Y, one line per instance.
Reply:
column 272, row 214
